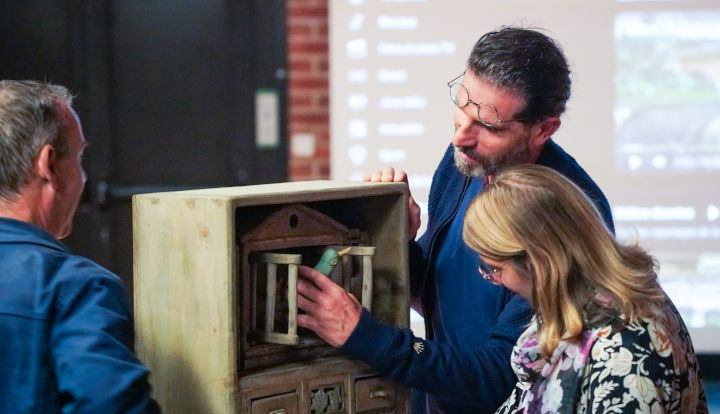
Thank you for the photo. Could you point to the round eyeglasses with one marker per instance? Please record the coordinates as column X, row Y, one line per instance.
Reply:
column 487, row 113
column 490, row 273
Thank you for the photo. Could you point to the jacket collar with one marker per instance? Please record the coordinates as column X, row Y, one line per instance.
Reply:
column 16, row 231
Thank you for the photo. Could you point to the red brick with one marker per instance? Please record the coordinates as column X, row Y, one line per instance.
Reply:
column 322, row 65
column 307, row 11
column 306, row 93
column 300, row 101
column 307, row 47
column 307, row 3
column 299, row 30
column 301, row 128
column 322, row 101
column 322, row 143
column 311, row 36
column 311, row 73
column 297, row 126
column 301, row 165
column 309, row 109
column 323, row 135
column 325, row 118
column 309, row 58
column 309, row 115
column 309, row 83
column 310, row 127
column 323, row 153
column 300, row 65
column 324, row 172
column 310, row 22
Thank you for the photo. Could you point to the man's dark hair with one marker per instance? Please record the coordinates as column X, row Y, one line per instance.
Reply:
column 30, row 118
column 527, row 62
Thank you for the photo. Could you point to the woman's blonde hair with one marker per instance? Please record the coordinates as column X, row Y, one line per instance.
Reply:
column 547, row 228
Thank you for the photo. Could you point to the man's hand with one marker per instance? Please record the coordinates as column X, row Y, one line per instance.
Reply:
column 389, row 175
column 330, row 311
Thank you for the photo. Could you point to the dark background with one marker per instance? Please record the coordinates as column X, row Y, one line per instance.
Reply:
column 165, row 92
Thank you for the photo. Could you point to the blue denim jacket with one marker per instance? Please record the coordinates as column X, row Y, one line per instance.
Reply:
column 66, row 331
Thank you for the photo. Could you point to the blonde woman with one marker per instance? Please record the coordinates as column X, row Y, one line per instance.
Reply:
column 605, row 337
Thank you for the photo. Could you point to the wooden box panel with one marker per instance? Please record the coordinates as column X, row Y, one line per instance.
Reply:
column 190, row 327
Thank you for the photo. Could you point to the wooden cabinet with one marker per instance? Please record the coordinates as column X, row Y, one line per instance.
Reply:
column 213, row 321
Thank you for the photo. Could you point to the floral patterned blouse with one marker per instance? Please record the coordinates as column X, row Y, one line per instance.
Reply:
column 618, row 367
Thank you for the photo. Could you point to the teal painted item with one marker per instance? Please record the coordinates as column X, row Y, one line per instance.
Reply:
column 329, row 260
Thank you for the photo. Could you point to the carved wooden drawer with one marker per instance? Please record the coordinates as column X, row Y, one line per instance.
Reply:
column 374, row 393
column 277, row 404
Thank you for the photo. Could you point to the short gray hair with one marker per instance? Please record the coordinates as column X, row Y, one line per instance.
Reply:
column 30, row 118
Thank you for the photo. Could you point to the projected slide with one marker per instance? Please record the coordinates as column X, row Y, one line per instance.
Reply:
column 643, row 118
column 667, row 104
column 667, row 124
column 383, row 110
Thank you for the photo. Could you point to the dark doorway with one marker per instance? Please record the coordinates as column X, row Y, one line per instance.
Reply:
column 166, row 91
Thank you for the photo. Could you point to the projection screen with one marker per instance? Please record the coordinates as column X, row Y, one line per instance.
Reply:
column 643, row 119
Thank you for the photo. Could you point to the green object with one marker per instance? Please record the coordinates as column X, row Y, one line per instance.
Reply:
column 329, row 260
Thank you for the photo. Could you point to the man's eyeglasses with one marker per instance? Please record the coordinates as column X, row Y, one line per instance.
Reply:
column 490, row 273
column 487, row 113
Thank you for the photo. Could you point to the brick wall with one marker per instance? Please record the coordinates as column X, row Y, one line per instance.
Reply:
column 308, row 90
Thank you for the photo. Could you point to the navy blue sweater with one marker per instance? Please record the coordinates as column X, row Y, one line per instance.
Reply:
column 461, row 372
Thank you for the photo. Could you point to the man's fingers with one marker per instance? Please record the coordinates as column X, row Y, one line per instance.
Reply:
column 414, row 214
column 309, row 290
column 387, row 174
column 320, row 280
column 306, row 304
column 307, row 322
column 400, row 176
column 330, row 312
column 374, row 177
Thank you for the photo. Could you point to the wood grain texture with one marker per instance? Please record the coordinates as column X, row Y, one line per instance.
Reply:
column 191, row 312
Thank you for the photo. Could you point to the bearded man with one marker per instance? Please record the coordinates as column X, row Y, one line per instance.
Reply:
column 508, row 105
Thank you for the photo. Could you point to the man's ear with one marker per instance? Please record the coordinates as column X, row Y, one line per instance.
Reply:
column 46, row 165
column 543, row 131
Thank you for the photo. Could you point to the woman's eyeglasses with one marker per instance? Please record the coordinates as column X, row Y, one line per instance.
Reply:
column 490, row 273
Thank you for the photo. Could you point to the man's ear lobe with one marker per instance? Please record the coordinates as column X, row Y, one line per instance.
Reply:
column 46, row 164
column 543, row 130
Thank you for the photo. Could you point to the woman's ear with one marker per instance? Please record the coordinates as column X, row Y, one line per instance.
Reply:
column 522, row 263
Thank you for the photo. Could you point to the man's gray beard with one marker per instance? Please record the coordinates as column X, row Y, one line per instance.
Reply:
column 484, row 166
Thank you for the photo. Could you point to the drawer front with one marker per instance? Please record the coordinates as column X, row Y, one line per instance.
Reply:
column 277, row 404
column 374, row 393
